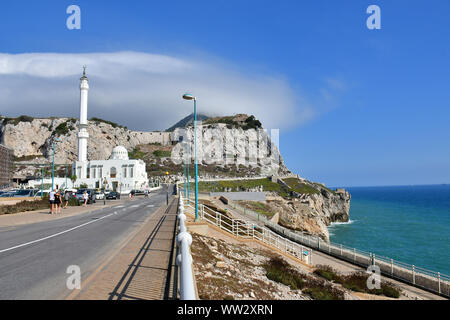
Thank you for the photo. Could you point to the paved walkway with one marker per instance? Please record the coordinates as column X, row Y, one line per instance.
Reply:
column 143, row 268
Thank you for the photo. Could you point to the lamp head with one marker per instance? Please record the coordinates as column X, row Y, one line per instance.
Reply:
column 188, row 96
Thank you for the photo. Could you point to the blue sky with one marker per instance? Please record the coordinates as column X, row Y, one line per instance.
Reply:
column 360, row 107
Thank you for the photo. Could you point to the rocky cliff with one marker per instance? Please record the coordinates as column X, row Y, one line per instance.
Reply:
column 232, row 144
column 32, row 140
column 313, row 213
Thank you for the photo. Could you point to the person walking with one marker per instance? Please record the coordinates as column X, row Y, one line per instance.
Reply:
column 58, row 200
column 51, row 199
column 85, row 197
column 66, row 199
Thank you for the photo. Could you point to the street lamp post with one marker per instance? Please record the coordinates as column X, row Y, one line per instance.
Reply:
column 191, row 97
column 53, row 165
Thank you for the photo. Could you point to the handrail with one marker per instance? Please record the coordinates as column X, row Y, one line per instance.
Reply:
column 184, row 258
column 245, row 229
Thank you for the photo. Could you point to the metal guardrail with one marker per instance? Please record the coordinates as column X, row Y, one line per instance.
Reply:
column 248, row 230
column 184, row 258
column 432, row 281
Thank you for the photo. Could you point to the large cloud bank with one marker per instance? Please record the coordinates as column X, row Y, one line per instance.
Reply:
column 143, row 91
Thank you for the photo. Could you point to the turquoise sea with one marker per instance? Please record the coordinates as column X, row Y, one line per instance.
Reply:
column 406, row 223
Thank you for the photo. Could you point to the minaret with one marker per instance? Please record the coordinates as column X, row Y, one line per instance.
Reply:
column 83, row 135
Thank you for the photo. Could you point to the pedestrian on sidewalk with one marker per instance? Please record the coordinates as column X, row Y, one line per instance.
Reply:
column 85, row 198
column 58, row 200
column 51, row 199
column 66, row 199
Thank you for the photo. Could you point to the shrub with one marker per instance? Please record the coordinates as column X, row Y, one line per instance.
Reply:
column 328, row 273
column 279, row 270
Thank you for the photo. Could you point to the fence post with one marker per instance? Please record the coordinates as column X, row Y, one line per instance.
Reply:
column 414, row 274
column 439, row 282
column 354, row 255
column 392, row 267
column 341, row 250
column 220, row 222
column 318, row 243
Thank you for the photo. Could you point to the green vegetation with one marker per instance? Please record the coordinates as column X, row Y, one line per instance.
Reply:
column 230, row 121
column 83, row 186
column 280, row 271
column 136, row 154
column 357, row 281
column 300, row 187
column 259, row 207
column 15, row 121
column 241, row 185
column 113, row 124
column 161, row 153
column 252, row 123
column 61, row 129
column 38, row 204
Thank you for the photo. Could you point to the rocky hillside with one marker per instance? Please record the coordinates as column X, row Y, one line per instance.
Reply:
column 247, row 149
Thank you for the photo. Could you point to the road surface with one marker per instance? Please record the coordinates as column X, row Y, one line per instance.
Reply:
column 34, row 258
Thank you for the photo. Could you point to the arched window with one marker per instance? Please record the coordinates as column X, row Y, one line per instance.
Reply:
column 113, row 172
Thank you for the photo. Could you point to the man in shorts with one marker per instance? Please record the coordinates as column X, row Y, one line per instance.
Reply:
column 51, row 199
column 66, row 199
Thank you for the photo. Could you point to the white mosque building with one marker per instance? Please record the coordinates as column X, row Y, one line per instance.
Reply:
column 119, row 173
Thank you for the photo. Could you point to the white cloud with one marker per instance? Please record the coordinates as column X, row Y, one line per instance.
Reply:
column 143, row 91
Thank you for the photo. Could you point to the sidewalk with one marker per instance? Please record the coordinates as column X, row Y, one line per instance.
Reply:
column 139, row 269
column 21, row 218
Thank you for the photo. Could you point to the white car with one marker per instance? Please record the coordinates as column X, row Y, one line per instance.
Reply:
column 99, row 196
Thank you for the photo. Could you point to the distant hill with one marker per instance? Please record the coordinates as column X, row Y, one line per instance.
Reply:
column 187, row 121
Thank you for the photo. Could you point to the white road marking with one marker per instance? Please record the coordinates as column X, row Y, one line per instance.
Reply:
column 150, row 206
column 119, row 207
column 56, row 234
column 135, row 206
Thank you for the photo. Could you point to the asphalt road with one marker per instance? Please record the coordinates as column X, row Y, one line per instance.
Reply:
column 34, row 258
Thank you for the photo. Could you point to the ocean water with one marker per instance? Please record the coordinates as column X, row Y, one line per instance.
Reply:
column 406, row 223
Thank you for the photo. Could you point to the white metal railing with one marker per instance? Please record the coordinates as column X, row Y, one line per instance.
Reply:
column 184, row 258
column 411, row 274
column 248, row 230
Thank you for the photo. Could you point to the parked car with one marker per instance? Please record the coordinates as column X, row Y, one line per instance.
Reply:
column 138, row 192
column 113, row 195
column 26, row 193
column 8, row 194
column 91, row 195
column 99, row 195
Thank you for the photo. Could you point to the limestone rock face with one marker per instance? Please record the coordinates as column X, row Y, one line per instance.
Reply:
column 33, row 141
column 313, row 213
column 220, row 145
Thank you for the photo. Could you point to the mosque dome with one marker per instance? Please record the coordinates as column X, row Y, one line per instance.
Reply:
column 119, row 153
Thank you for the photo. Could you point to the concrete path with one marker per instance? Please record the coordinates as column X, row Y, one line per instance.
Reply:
column 34, row 257
column 143, row 269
